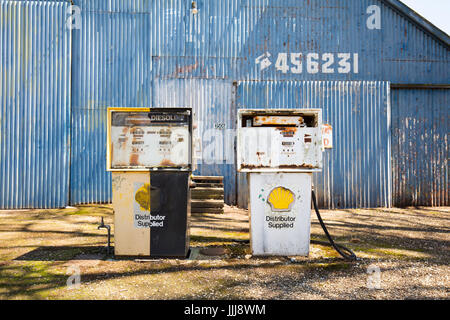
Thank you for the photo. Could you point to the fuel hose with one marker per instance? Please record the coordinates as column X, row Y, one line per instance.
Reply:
column 345, row 252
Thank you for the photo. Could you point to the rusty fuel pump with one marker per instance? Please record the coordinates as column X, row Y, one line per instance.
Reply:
column 149, row 154
column 280, row 149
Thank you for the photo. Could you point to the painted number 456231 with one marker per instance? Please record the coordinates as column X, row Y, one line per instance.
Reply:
column 313, row 63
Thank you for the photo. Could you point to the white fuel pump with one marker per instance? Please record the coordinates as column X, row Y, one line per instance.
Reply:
column 279, row 150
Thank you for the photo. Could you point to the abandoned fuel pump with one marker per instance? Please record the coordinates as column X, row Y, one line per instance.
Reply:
column 279, row 150
column 149, row 153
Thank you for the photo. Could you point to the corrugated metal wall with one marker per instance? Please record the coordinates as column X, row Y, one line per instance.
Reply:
column 35, row 55
column 215, row 118
column 112, row 66
column 406, row 53
column 156, row 52
column 420, row 141
column 225, row 37
column 357, row 171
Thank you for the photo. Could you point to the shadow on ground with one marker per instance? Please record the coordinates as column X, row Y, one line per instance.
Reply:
column 411, row 247
column 64, row 253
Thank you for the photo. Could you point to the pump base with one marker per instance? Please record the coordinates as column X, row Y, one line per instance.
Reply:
column 280, row 213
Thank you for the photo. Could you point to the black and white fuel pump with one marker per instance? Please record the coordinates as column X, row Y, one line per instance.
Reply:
column 149, row 153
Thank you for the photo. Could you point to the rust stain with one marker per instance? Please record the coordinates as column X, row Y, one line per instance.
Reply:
column 287, row 129
column 279, row 120
column 293, row 166
column 186, row 69
column 287, row 132
column 259, row 155
column 251, row 166
column 139, row 122
column 167, row 163
column 134, row 159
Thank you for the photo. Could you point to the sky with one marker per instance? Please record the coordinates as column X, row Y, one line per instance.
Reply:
column 435, row 11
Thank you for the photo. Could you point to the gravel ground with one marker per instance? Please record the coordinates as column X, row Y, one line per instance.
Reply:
column 403, row 254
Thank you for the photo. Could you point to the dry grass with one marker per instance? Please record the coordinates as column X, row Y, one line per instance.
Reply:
column 39, row 248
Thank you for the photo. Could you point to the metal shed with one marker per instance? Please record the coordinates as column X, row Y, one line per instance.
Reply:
column 379, row 71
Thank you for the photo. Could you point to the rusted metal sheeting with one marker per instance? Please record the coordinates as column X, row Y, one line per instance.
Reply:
column 230, row 39
column 234, row 39
column 420, row 132
column 417, row 53
column 357, row 171
column 34, row 104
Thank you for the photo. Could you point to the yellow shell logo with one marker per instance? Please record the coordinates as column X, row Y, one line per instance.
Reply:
column 142, row 197
column 281, row 199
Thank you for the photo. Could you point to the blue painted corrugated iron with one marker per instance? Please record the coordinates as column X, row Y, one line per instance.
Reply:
column 160, row 53
column 34, row 105
column 420, row 147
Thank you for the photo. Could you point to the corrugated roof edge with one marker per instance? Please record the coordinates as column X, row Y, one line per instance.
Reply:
column 416, row 18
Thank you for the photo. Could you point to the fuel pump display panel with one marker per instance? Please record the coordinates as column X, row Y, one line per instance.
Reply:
column 281, row 148
column 149, row 139
column 284, row 140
